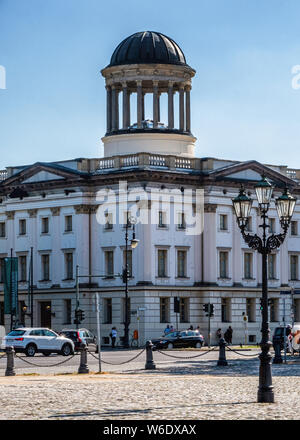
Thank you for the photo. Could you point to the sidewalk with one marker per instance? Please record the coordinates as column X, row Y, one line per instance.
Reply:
column 202, row 392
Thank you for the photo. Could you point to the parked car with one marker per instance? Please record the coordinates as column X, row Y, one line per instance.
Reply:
column 278, row 336
column 296, row 338
column 38, row 340
column 188, row 338
column 82, row 335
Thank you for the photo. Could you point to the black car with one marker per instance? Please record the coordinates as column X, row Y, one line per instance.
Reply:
column 79, row 336
column 188, row 338
column 278, row 336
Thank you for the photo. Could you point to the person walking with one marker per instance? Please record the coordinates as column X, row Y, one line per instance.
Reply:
column 113, row 336
column 167, row 330
column 219, row 334
column 228, row 335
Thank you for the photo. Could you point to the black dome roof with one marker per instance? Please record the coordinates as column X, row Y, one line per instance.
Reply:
column 147, row 47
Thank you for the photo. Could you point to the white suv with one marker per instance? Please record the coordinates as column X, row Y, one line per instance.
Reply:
column 38, row 340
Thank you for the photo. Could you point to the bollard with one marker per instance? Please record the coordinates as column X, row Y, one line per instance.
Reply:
column 83, row 367
column 222, row 353
column 10, row 367
column 150, row 365
column 277, row 359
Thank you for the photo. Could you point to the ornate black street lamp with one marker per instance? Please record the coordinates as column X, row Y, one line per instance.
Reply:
column 285, row 205
column 133, row 244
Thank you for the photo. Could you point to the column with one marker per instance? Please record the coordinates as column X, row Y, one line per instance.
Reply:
column 155, row 104
column 128, row 107
column 125, row 106
column 188, row 108
column 114, row 97
column 158, row 105
column 181, row 107
column 108, row 109
column 139, row 104
column 143, row 106
column 117, row 109
column 170, row 105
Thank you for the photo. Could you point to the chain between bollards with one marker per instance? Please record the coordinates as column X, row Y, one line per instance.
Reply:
column 10, row 368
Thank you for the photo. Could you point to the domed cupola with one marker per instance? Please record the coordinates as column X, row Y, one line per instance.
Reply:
column 148, row 63
column 147, row 47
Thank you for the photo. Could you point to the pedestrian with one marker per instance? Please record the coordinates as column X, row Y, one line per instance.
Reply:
column 198, row 329
column 228, row 335
column 167, row 330
column 219, row 334
column 171, row 329
column 113, row 335
column 191, row 328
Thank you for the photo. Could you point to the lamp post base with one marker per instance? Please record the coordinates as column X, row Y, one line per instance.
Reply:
column 265, row 396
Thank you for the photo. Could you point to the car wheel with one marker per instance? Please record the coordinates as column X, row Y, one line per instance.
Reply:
column 46, row 353
column 30, row 350
column 66, row 350
column 198, row 345
column 170, row 346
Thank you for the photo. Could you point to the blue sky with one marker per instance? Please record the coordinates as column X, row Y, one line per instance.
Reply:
column 243, row 103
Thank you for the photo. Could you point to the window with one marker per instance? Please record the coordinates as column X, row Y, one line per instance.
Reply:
column 162, row 263
column 297, row 310
column 69, row 265
column 67, row 311
column 181, row 264
column 162, row 219
column 294, row 228
column 223, row 222
column 2, row 229
column 124, row 309
column 274, row 310
column 108, row 221
column 272, row 227
column 22, row 227
column 1, row 313
column 272, row 266
column 226, row 310
column 294, row 267
column 45, row 267
column 164, row 310
column 129, row 261
column 22, row 312
column 68, row 223
column 249, row 225
column 181, row 221
column 184, row 309
column 223, row 257
column 2, row 269
column 107, row 309
column 109, row 264
column 22, row 268
column 45, row 225
column 251, row 309
column 248, row 258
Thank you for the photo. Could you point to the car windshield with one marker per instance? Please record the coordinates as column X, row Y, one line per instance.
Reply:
column 173, row 335
column 16, row 333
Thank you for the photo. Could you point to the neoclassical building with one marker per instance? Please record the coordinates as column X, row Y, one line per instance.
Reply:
column 72, row 214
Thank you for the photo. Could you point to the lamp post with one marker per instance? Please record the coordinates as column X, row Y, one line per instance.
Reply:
column 264, row 244
column 133, row 244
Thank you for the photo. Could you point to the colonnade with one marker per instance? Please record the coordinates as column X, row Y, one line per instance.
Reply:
column 112, row 104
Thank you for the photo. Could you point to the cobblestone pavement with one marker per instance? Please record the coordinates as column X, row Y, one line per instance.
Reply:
column 199, row 391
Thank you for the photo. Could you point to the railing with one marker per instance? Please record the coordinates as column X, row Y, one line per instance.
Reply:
column 148, row 160
column 3, row 175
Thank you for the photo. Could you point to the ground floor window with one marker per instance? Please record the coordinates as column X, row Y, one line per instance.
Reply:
column 184, row 309
column 107, row 309
column 226, row 309
column 164, row 310
column 251, row 309
column 274, row 310
column 67, row 311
